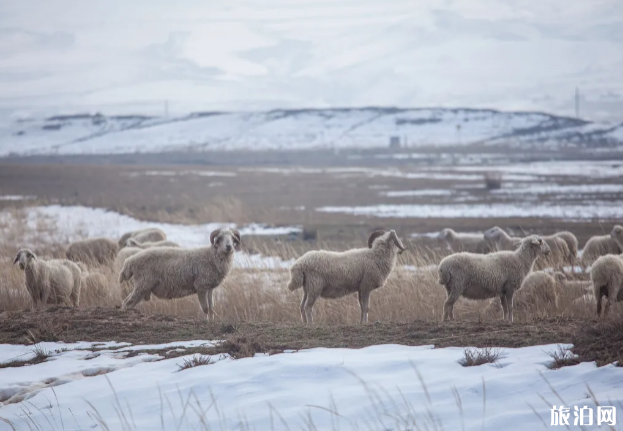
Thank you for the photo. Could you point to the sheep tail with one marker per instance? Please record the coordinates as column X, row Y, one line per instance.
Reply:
column 126, row 273
column 297, row 278
column 444, row 276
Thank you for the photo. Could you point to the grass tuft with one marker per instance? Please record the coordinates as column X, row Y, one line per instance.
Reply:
column 196, row 361
column 562, row 357
column 474, row 357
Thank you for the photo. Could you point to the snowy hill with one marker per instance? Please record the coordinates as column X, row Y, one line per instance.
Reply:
column 299, row 129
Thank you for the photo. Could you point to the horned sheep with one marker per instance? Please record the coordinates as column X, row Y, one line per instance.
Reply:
column 169, row 272
column 55, row 281
column 457, row 242
column 500, row 274
column 330, row 274
column 93, row 251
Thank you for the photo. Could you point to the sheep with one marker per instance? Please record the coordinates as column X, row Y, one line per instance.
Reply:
column 540, row 289
column 123, row 254
column 132, row 242
column 151, row 234
column 572, row 244
column 330, row 274
column 607, row 279
column 169, row 272
column 599, row 245
column 501, row 240
column 93, row 251
column 617, row 234
column 559, row 250
column 457, row 242
column 92, row 281
column 55, row 281
column 477, row 276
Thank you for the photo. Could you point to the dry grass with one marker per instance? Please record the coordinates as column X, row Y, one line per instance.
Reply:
column 487, row 355
column 259, row 294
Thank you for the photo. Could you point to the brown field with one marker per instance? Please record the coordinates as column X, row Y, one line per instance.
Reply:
column 254, row 301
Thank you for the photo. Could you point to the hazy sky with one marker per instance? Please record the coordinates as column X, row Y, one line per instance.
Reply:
column 122, row 56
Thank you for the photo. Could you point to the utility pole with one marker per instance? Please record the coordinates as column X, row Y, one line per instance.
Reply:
column 577, row 102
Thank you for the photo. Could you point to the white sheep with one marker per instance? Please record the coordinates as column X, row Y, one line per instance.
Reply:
column 617, row 234
column 599, row 245
column 151, row 234
column 55, row 281
column 132, row 242
column 330, row 274
column 457, row 242
column 93, row 251
column 478, row 276
column 560, row 253
column 607, row 279
column 169, row 272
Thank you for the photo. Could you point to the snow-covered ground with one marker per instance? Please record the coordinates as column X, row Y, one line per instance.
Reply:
column 297, row 129
column 378, row 387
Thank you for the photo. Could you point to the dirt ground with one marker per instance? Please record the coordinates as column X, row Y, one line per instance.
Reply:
column 601, row 342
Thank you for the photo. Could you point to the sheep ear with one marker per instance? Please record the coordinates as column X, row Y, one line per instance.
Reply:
column 374, row 235
column 214, row 234
column 16, row 259
column 131, row 242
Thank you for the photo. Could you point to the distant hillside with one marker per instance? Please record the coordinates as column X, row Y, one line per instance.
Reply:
column 300, row 129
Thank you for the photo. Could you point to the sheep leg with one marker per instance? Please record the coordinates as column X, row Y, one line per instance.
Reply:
column 448, row 306
column 303, row 316
column 504, row 307
column 364, row 300
column 207, row 303
column 598, row 299
column 509, row 305
column 309, row 306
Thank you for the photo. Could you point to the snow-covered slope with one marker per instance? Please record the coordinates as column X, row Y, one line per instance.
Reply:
column 299, row 129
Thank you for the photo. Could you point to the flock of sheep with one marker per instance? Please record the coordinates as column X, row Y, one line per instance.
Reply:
column 491, row 265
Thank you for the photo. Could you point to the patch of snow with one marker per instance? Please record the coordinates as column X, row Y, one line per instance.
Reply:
column 423, row 192
column 373, row 385
column 16, row 198
column 567, row 189
column 593, row 210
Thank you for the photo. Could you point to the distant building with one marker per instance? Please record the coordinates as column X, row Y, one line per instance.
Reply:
column 394, row 142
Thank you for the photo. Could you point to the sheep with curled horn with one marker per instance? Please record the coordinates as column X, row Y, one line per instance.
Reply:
column 168, row 272
column 330, row 274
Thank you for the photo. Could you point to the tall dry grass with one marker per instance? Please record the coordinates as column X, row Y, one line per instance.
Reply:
column 259, row 294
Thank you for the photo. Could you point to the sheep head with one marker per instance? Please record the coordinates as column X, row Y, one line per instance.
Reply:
column 24, row 256
column 225, row 240
column 617, row 234
column 536, row 245
column 387, row 236
column 494, row 233
column 444, row 234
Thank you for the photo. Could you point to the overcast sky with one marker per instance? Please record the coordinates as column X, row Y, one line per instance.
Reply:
column 121, row 56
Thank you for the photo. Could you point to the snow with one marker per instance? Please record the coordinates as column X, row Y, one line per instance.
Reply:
column 373, row 385
column 591, row 210
column 289, row 130
column 15, row 197
column 577, row 189
column 423, row 192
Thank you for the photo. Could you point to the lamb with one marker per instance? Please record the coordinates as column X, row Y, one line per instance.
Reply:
column 500, row 274
column 151, row 234
column 169, row 272
column 607, row 279
column 458, row 242
column 132, row 242
column 599, row 245
column 55, row 281
column 540, row 289
column 93, row 251
column 330, row 274
column 92, row 281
